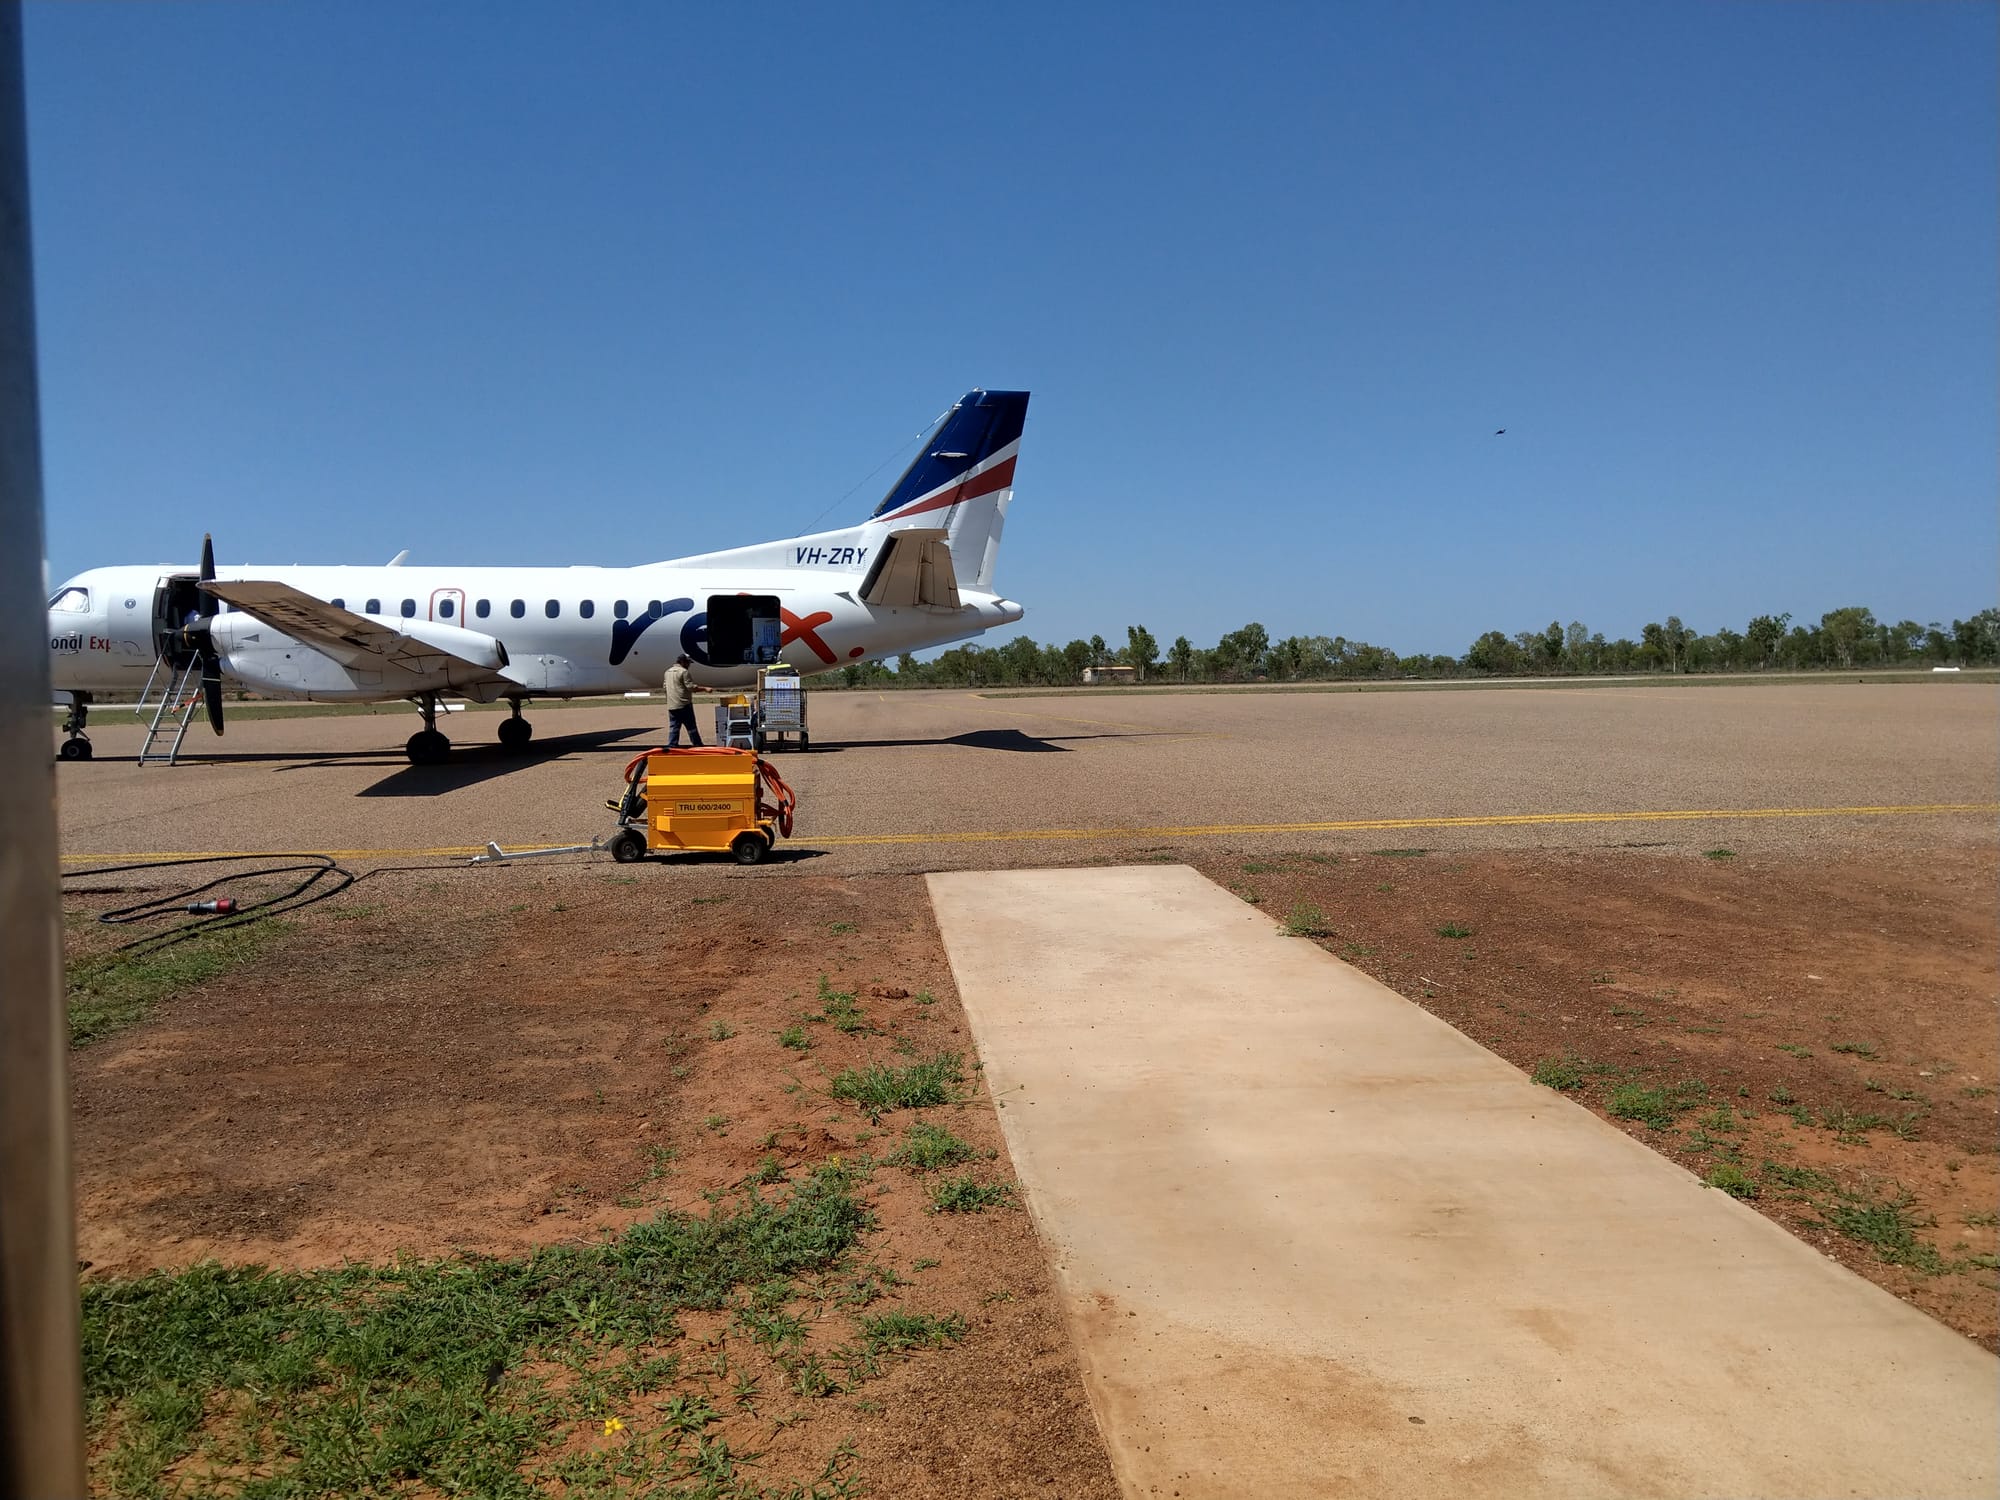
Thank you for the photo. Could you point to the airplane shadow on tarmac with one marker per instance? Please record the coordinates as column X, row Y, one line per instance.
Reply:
column 471, row 764
column 984, row 739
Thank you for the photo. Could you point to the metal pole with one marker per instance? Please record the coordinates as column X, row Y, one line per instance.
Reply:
column 41, row 1404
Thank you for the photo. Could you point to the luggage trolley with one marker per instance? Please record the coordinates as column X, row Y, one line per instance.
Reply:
column 781, row 706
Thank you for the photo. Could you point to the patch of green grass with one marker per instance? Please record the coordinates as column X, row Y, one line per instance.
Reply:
column 879, row 1088
column 896, row 1331
column 1656, row 1106
column 109, row 991
column 1453, row 930
column 424, row 1376
column 923, row 997
column 964, row 1194
column 1795, row 1049
column 1602, row 976
column 1400, row 853
column 794, row 1036
column 1797, row 1179
column 1859, row 1049
column 1887, row 1226
column 930, row 1148
column 1306, row 920
column 1732, row 1179
column 1568, row 1072
column 1848, row 1122
column 1718, row 854
column 1247, row 894
column 720, row 1031
column 1259, row 867
column 839, row 1007
column 1976, row 1091
column 1385, row 888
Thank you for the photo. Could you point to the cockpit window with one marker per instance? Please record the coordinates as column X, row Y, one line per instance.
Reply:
column 71, row 602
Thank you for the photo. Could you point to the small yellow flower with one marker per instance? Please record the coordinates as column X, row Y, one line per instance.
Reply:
column 611, row 1425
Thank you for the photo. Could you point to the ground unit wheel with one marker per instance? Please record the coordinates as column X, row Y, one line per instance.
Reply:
column 515, row 733
column 805, row 741
column 78, row 749
column 749, row 848
column 628, row 848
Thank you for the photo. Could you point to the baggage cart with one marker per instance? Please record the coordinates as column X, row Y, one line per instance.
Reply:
column 781, row 706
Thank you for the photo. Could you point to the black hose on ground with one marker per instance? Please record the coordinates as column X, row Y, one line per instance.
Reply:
column 319, row 870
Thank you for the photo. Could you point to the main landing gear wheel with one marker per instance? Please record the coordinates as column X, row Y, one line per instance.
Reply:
column 427, row 747
column 516, row 732
column 75, row 749
column 628, row 848
column 749, row 848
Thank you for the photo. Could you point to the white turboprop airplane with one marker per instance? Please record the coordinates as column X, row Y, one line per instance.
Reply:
column 918, row 572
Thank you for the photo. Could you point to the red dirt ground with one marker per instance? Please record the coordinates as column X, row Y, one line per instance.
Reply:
column 444, row 1060
column 494, row 1060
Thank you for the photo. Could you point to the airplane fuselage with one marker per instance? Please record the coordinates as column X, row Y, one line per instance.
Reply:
column 565, row 632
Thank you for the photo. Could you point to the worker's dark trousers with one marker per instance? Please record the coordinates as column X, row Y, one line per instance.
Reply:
column 677, row 720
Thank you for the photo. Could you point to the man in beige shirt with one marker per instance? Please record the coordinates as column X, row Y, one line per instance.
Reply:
column 680, row 692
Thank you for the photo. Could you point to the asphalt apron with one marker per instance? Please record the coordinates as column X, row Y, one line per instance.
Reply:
column 1314, row 1241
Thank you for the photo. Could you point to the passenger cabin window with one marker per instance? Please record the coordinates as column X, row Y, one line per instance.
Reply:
column 444, row 609
column 409, row 609
column 654, row 609
column 587, row 609
column 71, row 602
column 340, row 604
column 518, row 608
column 620, row 608
column 374, row 607
column 552, row 609
column 483, row 608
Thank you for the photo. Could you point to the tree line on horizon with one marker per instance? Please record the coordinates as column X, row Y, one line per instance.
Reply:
column 1841, row 639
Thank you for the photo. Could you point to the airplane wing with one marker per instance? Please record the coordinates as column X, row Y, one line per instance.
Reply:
column 913, row 568
column 350, row 638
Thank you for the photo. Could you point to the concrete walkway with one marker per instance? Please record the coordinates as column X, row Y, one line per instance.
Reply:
column 1313, row 1241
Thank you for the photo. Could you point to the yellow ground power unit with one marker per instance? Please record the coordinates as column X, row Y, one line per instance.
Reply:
column 712, row 798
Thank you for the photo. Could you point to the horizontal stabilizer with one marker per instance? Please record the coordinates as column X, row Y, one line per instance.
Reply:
column 913, row 570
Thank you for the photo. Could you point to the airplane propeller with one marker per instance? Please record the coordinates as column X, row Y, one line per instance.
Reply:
column 199, row 634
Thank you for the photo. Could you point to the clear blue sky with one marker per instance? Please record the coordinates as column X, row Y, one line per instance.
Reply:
column 610, row 282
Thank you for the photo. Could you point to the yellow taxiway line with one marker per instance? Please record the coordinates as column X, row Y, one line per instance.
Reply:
column 1201, row 830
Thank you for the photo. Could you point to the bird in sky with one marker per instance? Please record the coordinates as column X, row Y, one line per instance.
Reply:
column 1501, row 433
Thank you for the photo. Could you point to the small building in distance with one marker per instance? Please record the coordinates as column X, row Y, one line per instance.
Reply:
column 1095, row 675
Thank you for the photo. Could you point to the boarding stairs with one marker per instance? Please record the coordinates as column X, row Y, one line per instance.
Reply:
column 179, row 694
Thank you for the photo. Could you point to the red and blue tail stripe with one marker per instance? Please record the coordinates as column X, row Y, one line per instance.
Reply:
column 971, row 455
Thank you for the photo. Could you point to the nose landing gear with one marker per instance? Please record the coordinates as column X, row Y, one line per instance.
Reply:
column 515, row 732
column 77, row 745
column 427, row 747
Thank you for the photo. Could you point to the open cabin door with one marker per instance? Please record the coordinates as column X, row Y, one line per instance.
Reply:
column 744, row 630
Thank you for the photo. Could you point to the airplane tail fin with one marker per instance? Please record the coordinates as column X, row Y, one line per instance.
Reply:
column 963, row 481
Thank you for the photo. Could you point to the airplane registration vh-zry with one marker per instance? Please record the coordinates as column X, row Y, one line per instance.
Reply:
column 917, row 573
